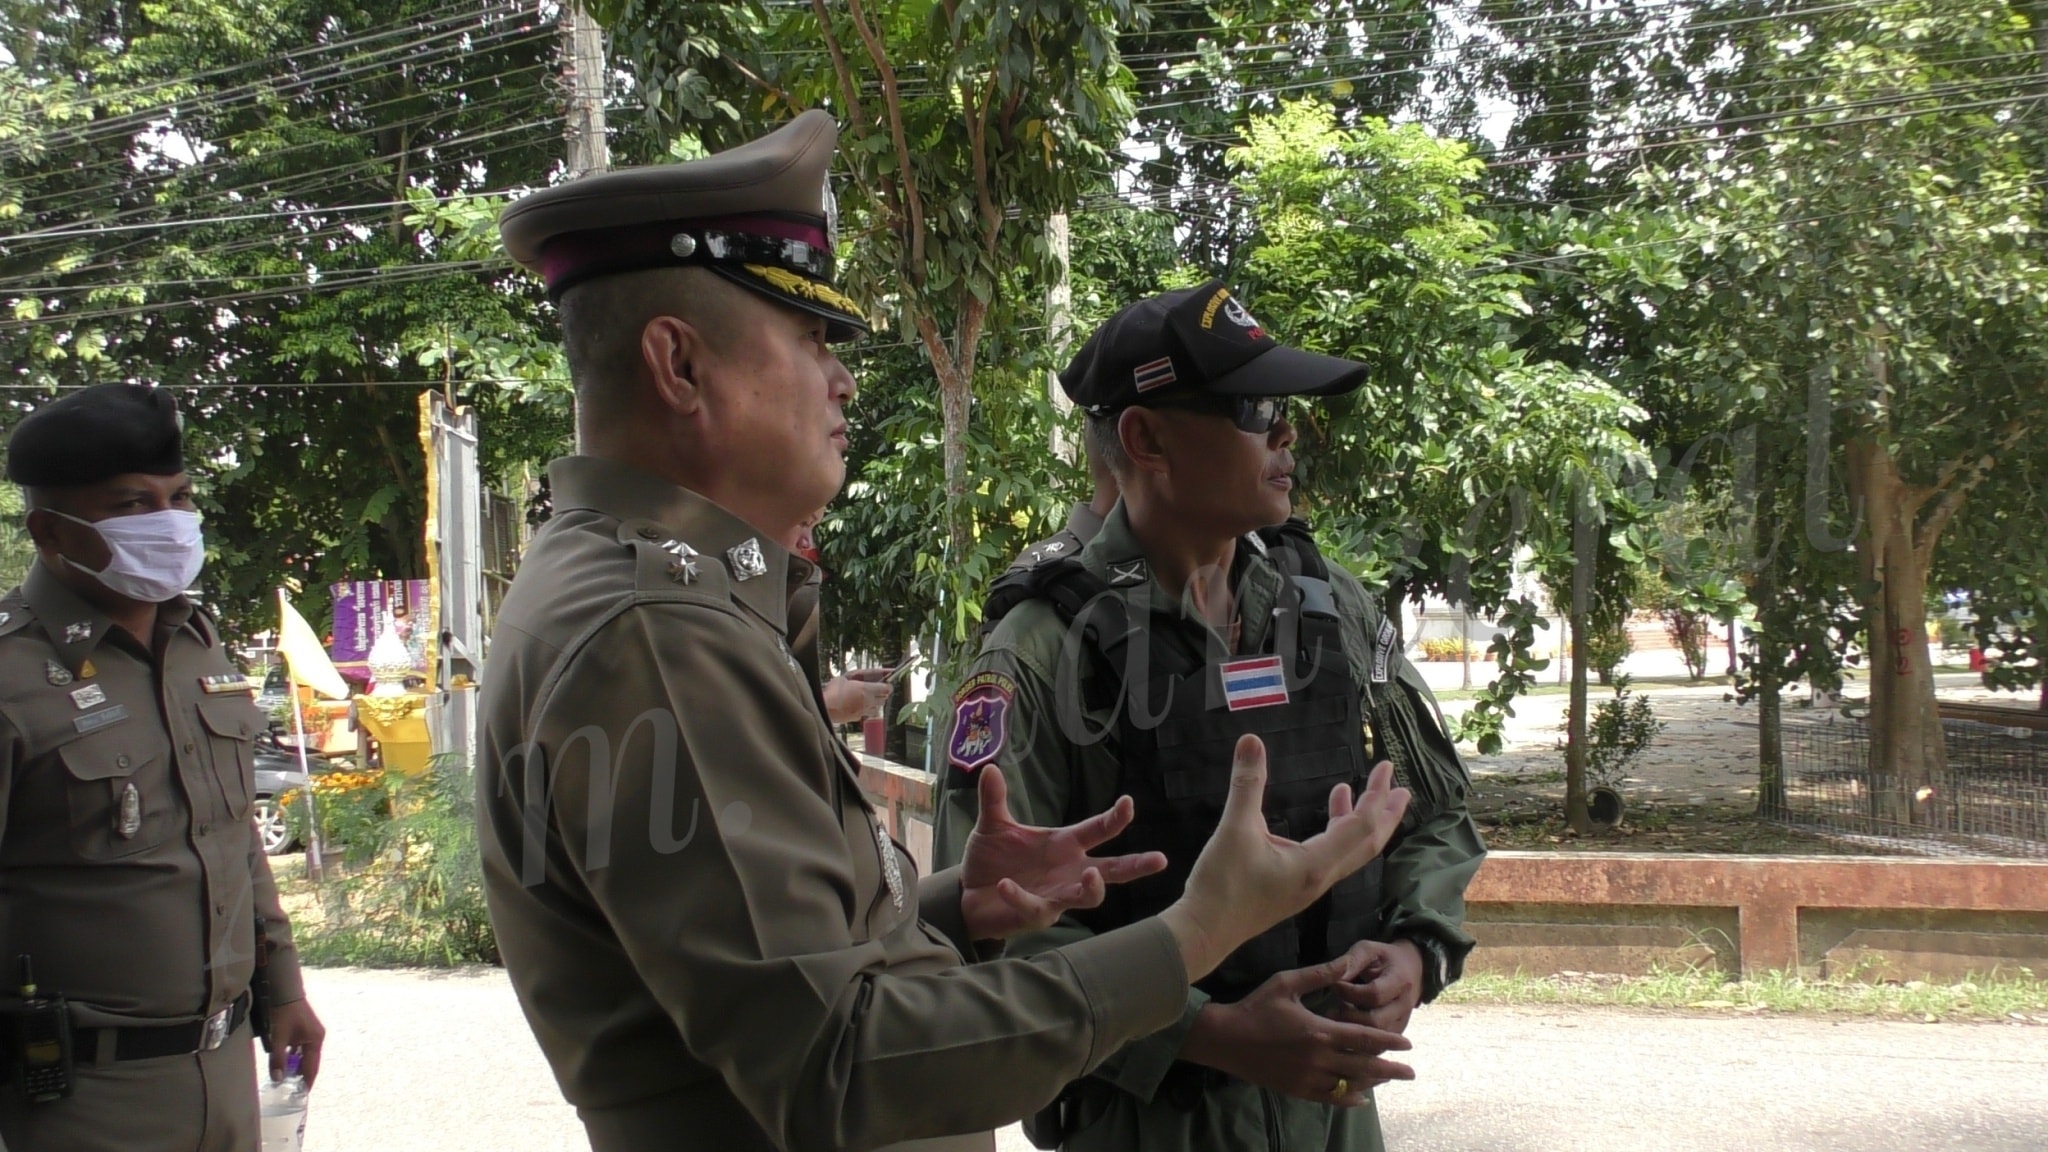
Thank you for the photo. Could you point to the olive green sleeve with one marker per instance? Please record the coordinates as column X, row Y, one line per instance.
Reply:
column 1040, row 764
column 1438, row 850
column 718, row 859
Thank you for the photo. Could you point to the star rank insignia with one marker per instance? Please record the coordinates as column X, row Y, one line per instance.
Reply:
column 73, row 633
column 747, row 561
column 682, row 568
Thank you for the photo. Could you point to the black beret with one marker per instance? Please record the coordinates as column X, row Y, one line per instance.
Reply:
column 96, row 433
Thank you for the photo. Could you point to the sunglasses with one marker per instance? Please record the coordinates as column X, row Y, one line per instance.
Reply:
column 1253, row 414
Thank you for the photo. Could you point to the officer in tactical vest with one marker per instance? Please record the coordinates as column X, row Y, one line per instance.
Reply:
column 1200, row 613
column 708, row 925
column 1083, row 520
column 141, row 939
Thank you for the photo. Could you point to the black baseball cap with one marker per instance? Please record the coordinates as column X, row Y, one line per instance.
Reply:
column 1195, row 340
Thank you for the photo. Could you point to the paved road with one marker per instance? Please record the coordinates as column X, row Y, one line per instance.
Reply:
column 444, row 1062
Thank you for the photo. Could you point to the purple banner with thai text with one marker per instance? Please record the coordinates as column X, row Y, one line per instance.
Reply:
column 361, row 608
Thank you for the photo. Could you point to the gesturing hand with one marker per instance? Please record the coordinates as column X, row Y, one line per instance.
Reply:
column 1014, row 877
column 1247, row 879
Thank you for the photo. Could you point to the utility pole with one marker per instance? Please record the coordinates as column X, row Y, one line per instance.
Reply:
column 583, row 76
column 1059, row 323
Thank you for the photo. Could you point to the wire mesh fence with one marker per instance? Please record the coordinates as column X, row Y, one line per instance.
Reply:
column 1992, row 799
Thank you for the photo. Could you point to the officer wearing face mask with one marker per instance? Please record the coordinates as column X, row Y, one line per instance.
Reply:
column 131, row 875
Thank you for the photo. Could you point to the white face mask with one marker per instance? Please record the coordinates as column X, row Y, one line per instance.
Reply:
column 156, row 555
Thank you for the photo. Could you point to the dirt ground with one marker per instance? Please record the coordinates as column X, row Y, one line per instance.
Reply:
column 1693, row 790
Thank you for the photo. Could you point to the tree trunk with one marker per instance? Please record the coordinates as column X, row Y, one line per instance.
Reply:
column 954, row 368
column 1585, row 551
column 1770, row 705
column 1908, row 756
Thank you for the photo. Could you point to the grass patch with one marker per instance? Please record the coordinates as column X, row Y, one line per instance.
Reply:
column 2020, row 997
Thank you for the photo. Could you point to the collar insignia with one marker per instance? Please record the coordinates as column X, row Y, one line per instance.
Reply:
column 747, row 561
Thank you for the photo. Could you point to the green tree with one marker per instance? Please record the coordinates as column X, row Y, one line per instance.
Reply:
column 1459, row 451
column 262, row 205
column 1867, row 276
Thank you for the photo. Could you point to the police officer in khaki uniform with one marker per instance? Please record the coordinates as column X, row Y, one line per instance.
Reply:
column 714, row 939
column 1199, row 613
column 131, row 874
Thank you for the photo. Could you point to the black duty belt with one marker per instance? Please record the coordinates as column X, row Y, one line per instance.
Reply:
column 149, row 1042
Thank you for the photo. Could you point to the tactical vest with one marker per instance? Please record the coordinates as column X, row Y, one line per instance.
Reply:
column 1175, row 732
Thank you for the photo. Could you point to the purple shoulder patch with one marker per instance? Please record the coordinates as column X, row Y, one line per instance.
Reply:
column 981, row 721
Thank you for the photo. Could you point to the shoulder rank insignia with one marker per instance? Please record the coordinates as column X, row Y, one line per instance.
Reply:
column 1125, row 575
column 747, row 561
column 683, row 567
column 1257, row 542
column 223, row 684
column 57, row 674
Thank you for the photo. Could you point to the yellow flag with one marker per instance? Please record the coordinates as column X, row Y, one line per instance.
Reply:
column 304, row 657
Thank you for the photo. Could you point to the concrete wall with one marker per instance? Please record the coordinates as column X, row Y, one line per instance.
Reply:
column 1542, row 913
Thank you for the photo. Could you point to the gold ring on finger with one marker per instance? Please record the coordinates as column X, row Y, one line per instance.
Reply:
column 1342, row 1089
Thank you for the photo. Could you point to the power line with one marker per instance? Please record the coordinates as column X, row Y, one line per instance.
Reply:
column 120, row 124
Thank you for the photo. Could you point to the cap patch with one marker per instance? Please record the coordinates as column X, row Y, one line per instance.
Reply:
column 1153, row 374
column 981, row 720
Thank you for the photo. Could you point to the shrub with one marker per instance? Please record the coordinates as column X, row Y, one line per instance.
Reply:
column 1443, row 648
column 1621, row 729
column 1688, row 630
column 414, row 891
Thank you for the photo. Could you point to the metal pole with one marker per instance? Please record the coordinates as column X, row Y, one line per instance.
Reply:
column 583, row 74
column 313, row 867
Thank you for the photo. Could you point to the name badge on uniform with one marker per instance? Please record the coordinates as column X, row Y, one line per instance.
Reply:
column 105, row 717
column 221, row 685
column 1383, row 651
column 1253, row 682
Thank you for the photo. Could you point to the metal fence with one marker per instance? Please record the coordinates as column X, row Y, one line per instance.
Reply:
column 1992, row 800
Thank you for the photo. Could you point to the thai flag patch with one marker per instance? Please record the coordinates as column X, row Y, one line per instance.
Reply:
column 1153, row 374
column 1253, row 682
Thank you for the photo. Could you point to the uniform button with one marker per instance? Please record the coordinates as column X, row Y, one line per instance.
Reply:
column 120, row 761
column 188, row 747
column 220, row 909
column 650, row 533
column 205, row 828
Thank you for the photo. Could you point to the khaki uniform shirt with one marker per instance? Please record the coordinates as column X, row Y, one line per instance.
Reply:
column 130, row 869
column 1055, row 780
column 714, row 942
